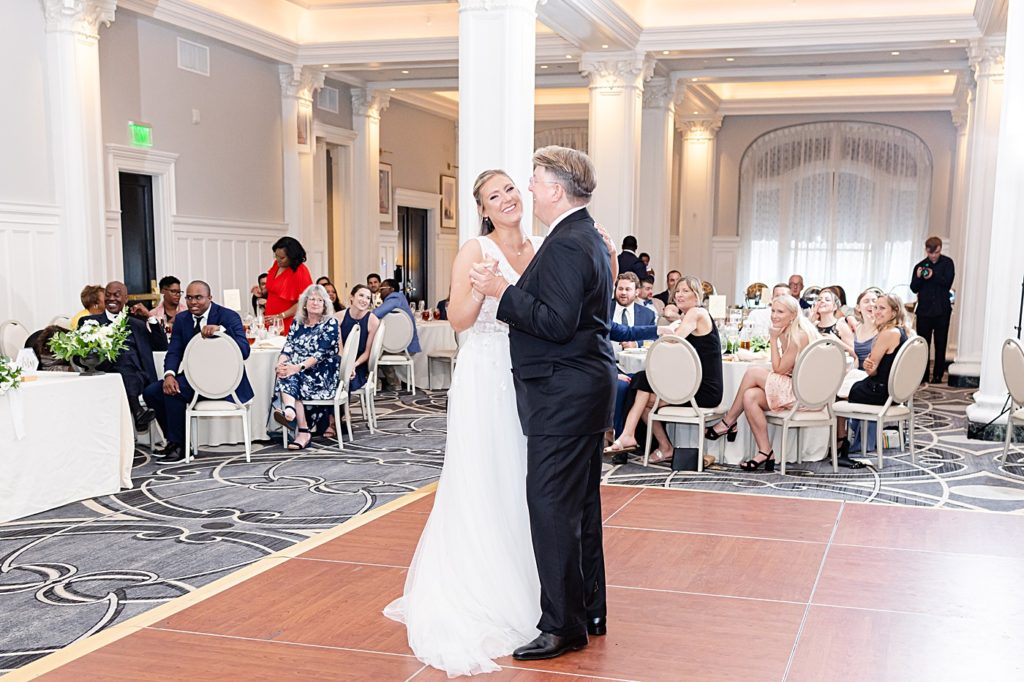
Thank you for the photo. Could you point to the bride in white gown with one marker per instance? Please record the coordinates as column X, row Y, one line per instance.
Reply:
column 472, row 592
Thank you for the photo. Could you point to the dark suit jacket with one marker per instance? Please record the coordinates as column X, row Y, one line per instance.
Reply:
column 137, row 355
column 629, row 262
column 933, row 293
column 559, row 315
column 181, row 334
column 643, row 316
column 663, row 297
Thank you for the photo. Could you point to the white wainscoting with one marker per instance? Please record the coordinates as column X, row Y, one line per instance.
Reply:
column 446, row 247
column 724, row 261
column 228, row 254
column 115, row 260
column 30, row 272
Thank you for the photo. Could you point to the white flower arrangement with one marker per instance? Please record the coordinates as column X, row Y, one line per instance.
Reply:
column 10, row 375
column 107, row 341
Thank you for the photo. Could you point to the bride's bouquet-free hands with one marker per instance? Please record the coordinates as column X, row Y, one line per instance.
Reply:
column 486, row 281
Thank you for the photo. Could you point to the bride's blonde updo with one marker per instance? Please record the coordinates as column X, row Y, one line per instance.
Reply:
column 486, row 227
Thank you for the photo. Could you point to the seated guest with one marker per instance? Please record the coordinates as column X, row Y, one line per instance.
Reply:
column 287, row 278
column 796, row 288
column 840, row 294
column 645, row 258
column 628, row 312
column 442, row 308
column 874, row 390
column 628, row 260
column 309, row 363
column 645, row 295
column 259, row 294
column 699, row 329
column 762, row 317
column 332, row 293
column 762, row 389
column 39, row 342
column 93, row 303
column 670, row 284
column 373, row 281
column 172, row 395
column 170, row 303
column 861, row 335
column 323, row 280
column 358, row 316
column 135, row 362
column 393, row 299
column 827, row 317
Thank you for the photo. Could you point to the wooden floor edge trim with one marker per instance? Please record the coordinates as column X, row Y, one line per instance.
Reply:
column 101, row 639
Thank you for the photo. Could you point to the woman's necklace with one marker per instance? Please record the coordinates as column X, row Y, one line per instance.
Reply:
column 518, row 250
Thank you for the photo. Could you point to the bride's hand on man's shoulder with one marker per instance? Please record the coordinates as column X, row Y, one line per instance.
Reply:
column 606, row 238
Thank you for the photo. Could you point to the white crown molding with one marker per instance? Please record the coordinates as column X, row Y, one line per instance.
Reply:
column 562, row 112
column 334, row 134
column 824, row 35
column 199, row 20
column 140, row 155
column 702, row 97
column 381, row 51
column 590, row 23
column 432, row 104
column 551, row 47
column 991, row 15
column 819, row 71
column 838, row 105
column 225, row 226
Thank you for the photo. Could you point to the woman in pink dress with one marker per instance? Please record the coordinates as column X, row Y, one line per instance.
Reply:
column 763, row 389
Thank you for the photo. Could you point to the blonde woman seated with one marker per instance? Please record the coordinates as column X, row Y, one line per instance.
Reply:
column 308, row 366
column 763, row 389
column 699, row 329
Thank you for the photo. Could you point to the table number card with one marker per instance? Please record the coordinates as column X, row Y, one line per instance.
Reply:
column 232, row 299
column 717, row 307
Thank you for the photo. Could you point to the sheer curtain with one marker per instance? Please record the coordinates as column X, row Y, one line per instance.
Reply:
column 838, row 202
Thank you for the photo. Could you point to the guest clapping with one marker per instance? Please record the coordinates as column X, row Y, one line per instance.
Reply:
column 308, row 366
column 762, row 389
column 287, row 279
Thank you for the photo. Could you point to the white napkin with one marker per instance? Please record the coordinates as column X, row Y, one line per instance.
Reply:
column 270, row 343
column 744, row 355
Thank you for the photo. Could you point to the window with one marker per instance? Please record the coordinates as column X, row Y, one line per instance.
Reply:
column 837, row 202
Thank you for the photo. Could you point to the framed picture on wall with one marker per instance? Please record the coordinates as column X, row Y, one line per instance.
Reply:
column 448, row 205
column 385, row 207
column 304, row 126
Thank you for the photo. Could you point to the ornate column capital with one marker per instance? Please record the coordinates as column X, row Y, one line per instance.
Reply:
column 659, row 93
column 81, row 17
column 699, row 129
column 617, row 70
column 987, row 57
column 368, row 102
column 300, row 82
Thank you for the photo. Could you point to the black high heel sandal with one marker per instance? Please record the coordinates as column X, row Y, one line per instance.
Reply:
column 296, row 446
column 754, row 465
column 843, row 456
column 729, row 433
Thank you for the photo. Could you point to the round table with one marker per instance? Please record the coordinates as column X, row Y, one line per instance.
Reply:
column 434, row 335
column 813, row 441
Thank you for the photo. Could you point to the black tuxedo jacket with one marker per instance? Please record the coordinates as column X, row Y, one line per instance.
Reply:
column 559, row 316
column 629, row 262
column 137, row 355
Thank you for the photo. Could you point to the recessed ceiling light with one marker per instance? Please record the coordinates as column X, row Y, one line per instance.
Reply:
column 604, row 47
column 693, row 80
column 945, row 71
column 543, row 66
column 730, row 59
column 391, row 89
column 664, row 51
column 895, row 53
column 952, row 41
column 568, row 56
column 326, row 66
column 405, row 70
column 696, row 113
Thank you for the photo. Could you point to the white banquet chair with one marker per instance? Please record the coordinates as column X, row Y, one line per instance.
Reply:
column 398, row 334
column 674, row 372
column 368, row 392
column 1013, row 375
column 817, row 376
column 13, row 336
column 446, row 356
column 62, row 321
column 340, row 401
column 214, row 368
column 904, row 379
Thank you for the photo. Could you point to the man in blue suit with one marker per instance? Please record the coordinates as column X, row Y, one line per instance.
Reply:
column 628, row 313
column 170, row 397
column 393, row 299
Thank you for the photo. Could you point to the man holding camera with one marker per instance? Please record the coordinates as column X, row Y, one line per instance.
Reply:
column 932, row 280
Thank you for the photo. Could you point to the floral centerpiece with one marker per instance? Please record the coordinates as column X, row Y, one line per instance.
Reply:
column 92, row 343
column 10, row 375
column 758, row 343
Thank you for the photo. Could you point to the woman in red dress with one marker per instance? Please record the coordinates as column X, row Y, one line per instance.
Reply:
column 287, row 278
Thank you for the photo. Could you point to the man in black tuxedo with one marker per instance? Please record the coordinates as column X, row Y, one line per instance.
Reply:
column 931, row 281
column 172, row 395
column 135, row 362
column 671, row 279
column 629, row 261
column 559, row 316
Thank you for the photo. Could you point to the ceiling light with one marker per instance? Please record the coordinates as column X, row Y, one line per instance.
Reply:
column 664, row 51
column 391, row 89
column 543, row 66
column 952, row 41
column 730, row 59
column 945, row 71
column 895, row 53
column 696, row 113
column 326, row 66
column 405, row 70
column 693, row 80
column 604, row 47
column 568, row 56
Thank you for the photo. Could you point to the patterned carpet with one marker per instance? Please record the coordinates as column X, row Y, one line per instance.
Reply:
column 73, row 571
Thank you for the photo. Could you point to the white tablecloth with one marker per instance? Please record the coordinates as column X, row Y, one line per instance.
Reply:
column 434, row 335
column 259, row 367
column 77, row 442
column 813, row 442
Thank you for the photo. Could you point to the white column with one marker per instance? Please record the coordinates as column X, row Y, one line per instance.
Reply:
column 73, row 76
column 1004, row 265
column 697, row 197
column 958, row 199
column 497, row 54
column 987, row 62
column 298, row 84
column 653, row 226
column 367, row 106
column 616, row 99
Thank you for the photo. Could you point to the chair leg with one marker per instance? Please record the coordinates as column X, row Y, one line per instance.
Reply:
column 1009, row 434
column 188, row 438
column 910, row 428
column 700, row 444
column 245, row 433
column 879, row 443
column 337, row 426
column 647, row 441
column 833, row 436
column 782, row 459
column 412, row 378
column 348, row 421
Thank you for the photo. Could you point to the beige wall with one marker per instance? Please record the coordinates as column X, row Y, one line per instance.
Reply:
column 229, row 164
column 935, row 128
column 342, row 119
column 420, row 147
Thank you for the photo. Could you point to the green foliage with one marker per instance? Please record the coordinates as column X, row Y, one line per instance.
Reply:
column 105, row 340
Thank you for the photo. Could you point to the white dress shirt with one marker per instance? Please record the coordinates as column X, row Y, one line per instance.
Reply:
column 630, row 314
column 554, row 223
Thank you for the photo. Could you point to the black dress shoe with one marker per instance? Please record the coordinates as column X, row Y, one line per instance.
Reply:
column 597, row 626
column 548, row 645
column 143, row 417
column 172, row 453
column 168, row 447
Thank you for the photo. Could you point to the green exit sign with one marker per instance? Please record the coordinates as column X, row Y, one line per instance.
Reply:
column 141, row 134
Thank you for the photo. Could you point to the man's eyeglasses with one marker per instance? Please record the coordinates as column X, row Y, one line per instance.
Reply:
column 197, row 297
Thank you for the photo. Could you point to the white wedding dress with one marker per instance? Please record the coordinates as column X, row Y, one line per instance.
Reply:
column 472, row 593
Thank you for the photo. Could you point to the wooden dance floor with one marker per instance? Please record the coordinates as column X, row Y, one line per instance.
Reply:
column 702, row 586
